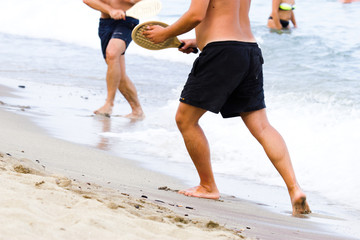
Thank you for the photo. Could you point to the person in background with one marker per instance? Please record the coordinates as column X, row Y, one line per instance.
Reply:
column 281, row 15
column 227, row 77
column 115, row 35
column 349, row 1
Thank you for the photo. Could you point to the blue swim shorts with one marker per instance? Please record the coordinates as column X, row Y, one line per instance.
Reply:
column 121, row 29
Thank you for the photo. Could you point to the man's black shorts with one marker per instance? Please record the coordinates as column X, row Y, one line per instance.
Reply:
column 227, row 77
column 121, row 29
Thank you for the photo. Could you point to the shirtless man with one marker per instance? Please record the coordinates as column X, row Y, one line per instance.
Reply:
column 227, row 78
column 115, row 34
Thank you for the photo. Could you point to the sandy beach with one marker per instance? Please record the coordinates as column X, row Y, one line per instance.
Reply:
column 53, row 189
column 67, row 174
column 39, row 205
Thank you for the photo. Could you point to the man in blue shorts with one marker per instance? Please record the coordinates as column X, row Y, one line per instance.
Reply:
column 227, row 78
column 115, row 34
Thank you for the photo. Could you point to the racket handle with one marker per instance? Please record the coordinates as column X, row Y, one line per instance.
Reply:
column 194, row 50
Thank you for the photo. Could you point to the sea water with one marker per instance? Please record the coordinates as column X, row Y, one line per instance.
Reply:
column 312, row 86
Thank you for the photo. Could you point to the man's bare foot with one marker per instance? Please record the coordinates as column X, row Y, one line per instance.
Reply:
column 299, row 204
column 105, row 110
column 200, row 192
column 135, row 116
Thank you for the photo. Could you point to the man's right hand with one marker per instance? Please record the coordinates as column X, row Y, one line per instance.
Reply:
column 117, row 14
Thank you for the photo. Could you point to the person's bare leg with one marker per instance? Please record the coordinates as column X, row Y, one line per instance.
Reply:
column 116, row 78
column 187, row 119
column 276, row 150
column 128, row 90
column 113, row 74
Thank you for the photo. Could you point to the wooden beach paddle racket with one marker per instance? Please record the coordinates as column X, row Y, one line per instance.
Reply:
column 142, row 41
column 144, row 9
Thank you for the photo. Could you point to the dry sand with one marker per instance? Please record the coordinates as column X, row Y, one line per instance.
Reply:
column 89, row 198
column 37, row 205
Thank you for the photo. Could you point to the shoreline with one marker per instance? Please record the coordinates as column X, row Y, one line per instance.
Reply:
column 22, row 139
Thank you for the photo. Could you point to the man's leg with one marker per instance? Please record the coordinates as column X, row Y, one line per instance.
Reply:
column 128, row 90
column 116, row 78
column 113, row 74
column 276, row 150
column 187, row 119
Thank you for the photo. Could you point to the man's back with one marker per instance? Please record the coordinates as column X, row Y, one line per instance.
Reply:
column 225, row 20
